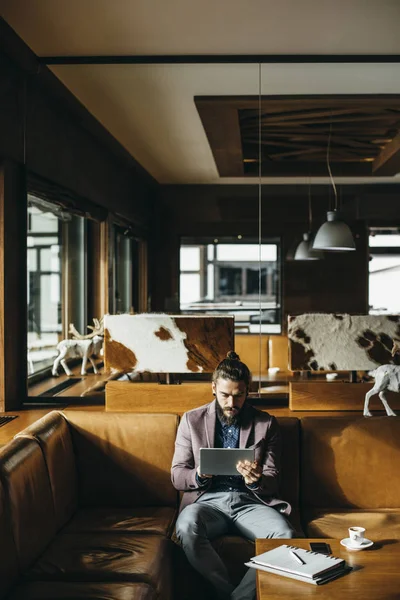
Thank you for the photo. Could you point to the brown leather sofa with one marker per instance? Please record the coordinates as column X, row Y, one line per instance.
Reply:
column 87, row 507
column 350, row 475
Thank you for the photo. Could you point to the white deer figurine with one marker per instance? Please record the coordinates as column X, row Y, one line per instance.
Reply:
column 81, row 346
column 387, row 377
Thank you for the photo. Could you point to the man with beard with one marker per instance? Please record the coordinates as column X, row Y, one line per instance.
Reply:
column 247, row 503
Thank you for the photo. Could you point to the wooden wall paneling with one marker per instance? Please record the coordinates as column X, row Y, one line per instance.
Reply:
column 105, row 267
column 336, row 284
column 156, row 398
column 97, row 286
column 332, row 395
column 11, row 113
column 65, row 144
column 13, row 286
column 164, row 255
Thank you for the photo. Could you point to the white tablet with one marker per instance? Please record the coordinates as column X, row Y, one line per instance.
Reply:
column 223, row 461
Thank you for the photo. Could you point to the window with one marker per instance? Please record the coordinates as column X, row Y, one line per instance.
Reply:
column 56, row 280
column 384, row 271
column 125, row 273
column 228, row 276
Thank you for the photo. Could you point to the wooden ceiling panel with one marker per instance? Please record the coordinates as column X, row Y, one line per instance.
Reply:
column 295, row 132
column 222, row 123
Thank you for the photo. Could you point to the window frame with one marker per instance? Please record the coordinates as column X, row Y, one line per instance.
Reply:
column 203, row 242
column 66, row 282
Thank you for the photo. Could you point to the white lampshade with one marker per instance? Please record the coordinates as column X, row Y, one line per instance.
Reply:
column 334, row 235
column 305, row 251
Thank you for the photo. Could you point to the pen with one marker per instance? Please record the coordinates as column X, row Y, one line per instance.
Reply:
column 297, row 557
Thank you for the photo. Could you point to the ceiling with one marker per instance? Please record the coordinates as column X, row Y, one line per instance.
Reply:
column 296, row 135
column 150, row 109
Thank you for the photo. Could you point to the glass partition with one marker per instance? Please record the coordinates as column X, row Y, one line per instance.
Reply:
column 234, row 277
column 56, row 280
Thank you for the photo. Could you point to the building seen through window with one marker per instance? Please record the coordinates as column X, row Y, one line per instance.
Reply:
column 384, row 271
column 229, row 276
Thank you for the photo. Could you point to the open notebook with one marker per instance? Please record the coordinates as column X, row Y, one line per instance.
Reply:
column 316, row 568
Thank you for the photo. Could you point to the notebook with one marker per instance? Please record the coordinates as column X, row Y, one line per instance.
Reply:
column 316, row 581
column 316, row 568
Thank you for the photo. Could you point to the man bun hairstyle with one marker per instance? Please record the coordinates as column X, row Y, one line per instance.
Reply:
column 232, row 368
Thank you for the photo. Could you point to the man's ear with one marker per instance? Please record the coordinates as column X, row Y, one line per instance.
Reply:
column 214, row 389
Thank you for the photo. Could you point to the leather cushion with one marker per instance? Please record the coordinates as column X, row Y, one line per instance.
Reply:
column 350, row 462
column 149, row 519
column 92, row 591
column 52, row 433
column 278, row 347
column 8, row 551
column 380, row 524
column 26, row 482
column 124, row 459
column 106, row 557
column 247, row 346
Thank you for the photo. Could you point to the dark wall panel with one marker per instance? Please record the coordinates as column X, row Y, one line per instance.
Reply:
column 44, row 125
column 339, row 283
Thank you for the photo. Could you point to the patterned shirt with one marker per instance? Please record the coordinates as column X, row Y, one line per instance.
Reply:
column 227, row 436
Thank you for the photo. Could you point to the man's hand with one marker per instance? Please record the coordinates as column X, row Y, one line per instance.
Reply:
column 251, row 471
column 201, row 475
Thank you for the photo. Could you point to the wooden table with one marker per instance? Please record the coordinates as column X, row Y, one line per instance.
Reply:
column 375, row 575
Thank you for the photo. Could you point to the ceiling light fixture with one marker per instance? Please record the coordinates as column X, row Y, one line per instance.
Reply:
column 305, row 250
column 334, row 235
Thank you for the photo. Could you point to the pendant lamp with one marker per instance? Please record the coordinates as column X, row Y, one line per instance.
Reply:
column 305, row 250
column 334, row 235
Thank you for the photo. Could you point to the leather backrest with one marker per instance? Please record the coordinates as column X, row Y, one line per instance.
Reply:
column 289, row 483
column 8, row 551
column 350, row 462
column 247, row 346
column 278, row 347
column 53, row 434
column 124, row 459
column 24, row 475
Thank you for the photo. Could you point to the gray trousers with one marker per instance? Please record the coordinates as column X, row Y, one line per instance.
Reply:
column 216, row 514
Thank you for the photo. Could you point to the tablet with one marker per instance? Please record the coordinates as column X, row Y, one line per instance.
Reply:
column 223, row 461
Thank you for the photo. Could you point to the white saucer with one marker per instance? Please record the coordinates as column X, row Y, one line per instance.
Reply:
column 346, row 542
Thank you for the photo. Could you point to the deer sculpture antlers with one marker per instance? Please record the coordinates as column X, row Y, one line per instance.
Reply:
column 97, row 329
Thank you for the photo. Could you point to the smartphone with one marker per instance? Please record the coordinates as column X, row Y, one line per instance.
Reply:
column 320, row 547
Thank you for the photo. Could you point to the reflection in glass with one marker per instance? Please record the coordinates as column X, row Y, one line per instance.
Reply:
column 384, row 274
column 56, row 279
column 125, row 248
column 44, row 287
column 226, row 277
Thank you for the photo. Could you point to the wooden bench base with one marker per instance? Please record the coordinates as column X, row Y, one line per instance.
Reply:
column 332, row 395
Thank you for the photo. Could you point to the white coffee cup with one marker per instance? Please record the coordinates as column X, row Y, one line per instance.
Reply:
column 357, row 535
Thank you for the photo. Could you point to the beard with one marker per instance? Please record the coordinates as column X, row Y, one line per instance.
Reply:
column 228, row 418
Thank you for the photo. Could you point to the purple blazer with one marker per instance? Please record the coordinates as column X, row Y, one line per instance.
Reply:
column 258, row 430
